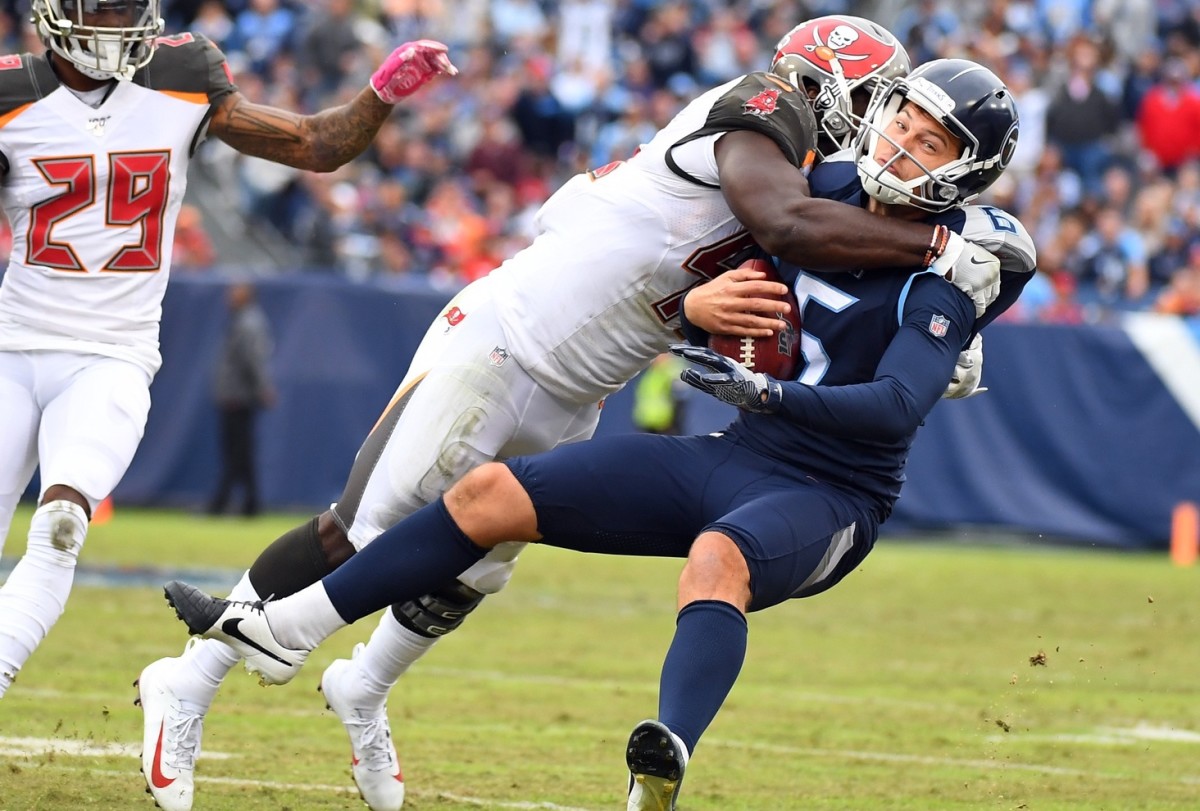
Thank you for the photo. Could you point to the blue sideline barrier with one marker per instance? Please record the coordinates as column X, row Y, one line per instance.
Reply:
column 1087, row 433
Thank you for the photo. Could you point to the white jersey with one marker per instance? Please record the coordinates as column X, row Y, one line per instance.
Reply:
column 92, row 195
column 596, row 296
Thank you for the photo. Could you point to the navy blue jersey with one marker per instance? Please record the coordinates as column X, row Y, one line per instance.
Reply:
column 878, row 352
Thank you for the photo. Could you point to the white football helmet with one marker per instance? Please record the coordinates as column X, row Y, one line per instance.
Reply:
column 104, row 39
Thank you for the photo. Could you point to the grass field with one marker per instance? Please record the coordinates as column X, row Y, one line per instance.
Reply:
column 911, row 686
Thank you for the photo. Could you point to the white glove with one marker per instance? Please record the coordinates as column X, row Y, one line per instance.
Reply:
column 971, row 269
column 967, row 372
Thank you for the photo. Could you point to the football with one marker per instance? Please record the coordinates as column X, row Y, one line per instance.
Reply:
column 777, row 356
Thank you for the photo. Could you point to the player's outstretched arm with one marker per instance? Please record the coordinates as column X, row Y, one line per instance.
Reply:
column 326, row 140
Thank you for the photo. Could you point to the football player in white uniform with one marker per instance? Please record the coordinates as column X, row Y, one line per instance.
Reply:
column 95, row 140
column 520, row 360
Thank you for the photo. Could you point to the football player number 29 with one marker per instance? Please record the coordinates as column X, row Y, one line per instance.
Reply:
column 136, row 195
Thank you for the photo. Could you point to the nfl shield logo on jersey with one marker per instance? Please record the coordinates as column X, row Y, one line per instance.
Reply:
column 938, row 325
column 498, row 355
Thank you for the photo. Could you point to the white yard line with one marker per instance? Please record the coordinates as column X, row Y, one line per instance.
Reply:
column 1103, row 735
column 26, row 747
column 481, row 802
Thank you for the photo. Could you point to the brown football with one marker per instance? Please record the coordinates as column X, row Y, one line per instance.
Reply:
column 777, row 356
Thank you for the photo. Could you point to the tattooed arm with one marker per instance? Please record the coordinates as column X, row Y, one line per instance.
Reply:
column 325, row 141
column 319, row 143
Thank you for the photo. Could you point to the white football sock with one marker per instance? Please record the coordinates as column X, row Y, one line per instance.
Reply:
column 305, row 619
column 205, row 663
column 36, row 592
column 391, row 650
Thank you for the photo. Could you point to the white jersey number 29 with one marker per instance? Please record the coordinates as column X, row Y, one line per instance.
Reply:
column 136, row 194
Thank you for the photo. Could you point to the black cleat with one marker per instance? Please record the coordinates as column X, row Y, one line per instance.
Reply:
column 657, row 759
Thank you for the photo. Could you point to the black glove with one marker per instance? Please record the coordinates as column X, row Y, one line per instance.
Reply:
column 730, row 381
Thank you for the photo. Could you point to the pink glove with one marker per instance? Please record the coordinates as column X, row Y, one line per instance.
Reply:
column 409, row 67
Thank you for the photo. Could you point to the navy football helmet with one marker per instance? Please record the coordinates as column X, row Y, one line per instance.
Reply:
column 973, row 104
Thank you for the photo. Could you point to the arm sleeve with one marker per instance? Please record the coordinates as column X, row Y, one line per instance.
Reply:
column 910, row 378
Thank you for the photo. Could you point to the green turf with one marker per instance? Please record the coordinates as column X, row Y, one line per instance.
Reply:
column 908, row 687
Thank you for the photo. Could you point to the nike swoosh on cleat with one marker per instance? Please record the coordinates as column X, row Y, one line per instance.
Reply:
column 399, row 775
column 157, row 778
column 230, row 626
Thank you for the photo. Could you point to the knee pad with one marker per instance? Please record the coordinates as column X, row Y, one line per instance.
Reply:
column 495, row 569
column 439, row 612
column 294, row 561
column 59, row 528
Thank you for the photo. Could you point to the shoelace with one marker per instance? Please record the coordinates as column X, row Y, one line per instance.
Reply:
column 185, row 739
column 373, row 743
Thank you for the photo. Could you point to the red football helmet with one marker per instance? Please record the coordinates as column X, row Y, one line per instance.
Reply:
column 839, row 61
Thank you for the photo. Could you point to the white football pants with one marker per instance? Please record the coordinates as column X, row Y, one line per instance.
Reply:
column 79, row 416
column 463, row 402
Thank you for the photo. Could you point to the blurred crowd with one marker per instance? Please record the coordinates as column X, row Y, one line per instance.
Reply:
column 1106, row 174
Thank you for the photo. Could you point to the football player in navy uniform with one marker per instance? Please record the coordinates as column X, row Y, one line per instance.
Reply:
column 96, row 135
column 783, row 503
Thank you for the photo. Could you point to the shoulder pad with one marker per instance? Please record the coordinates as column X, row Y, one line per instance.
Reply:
column 24, row 79
column 765, row 103
column 1002, row 234
column 188, row 63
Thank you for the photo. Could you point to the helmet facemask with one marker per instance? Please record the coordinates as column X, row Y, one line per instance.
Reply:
column 933, row 189
column 103, row 39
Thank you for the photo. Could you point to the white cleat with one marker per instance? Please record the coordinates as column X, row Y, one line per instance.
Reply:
column 657, row 759
column 242, row 626
column 374, row 763
column 170, row 739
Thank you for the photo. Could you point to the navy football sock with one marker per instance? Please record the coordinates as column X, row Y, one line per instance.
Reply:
column 407, row 561
column 702, row 664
